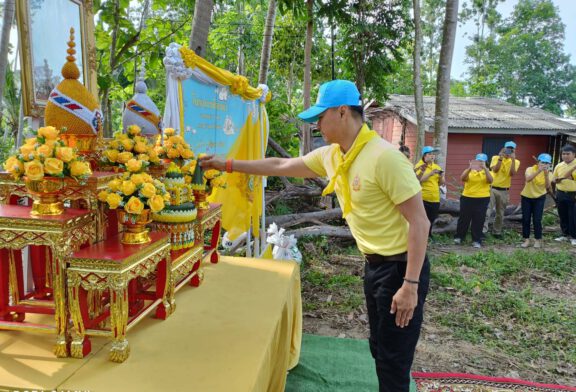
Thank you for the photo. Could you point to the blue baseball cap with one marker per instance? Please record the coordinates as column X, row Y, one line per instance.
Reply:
column 481, row 157
column 510, row 144
column 545, row 158
column 429, row 149
column 331, row 95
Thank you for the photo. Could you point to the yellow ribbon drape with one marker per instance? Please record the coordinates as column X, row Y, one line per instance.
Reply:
column 238, row 83
column 340, row 176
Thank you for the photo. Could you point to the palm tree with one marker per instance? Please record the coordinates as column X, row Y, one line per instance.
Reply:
column 418, row 94
column 201, row 26
column 267, row 42
column 306, row 143
column 443, row 81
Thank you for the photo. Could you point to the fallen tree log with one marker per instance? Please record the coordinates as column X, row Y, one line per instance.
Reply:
column 293, row 192
column 327, row 230
column 297, row 219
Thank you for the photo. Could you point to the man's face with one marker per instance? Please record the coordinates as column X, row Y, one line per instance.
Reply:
column 568, row 156
column 327, row 124
column 509, row 151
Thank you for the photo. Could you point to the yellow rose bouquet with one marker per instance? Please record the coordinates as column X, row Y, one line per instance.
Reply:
column 175, row 148
column 125, row 147
column 46, row 155
column 214, row 179
column 135, row 193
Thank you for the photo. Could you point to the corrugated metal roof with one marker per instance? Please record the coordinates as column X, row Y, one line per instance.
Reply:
column 475, row 113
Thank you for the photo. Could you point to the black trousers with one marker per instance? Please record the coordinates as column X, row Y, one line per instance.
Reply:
column 472, row 213
column 567, row 212
column 392, row 347
column 532, row 210
column 432, row 213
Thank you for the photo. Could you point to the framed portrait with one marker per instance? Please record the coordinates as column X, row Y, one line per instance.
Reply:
column 44, row 30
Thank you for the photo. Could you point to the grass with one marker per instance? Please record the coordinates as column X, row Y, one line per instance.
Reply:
column 490, row 300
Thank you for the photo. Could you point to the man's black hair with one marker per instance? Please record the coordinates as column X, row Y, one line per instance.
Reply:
column 569, row 148
column 358, row 110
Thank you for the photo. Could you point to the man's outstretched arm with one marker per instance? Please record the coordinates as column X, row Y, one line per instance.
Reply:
column 288, row 167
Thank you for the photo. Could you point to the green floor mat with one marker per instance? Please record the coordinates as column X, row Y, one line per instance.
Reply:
column 334, row 365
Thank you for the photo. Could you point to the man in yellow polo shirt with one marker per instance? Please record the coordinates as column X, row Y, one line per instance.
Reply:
column 382, row 203
column 564, row 177
column 502, row 171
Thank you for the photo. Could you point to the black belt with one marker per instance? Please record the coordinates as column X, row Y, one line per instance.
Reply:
column 500, row 189
column 379, row 259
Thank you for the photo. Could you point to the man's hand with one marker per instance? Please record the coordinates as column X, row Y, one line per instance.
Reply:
column 403, row 304
column 502, row 153
column 212, row 162
column 512, row 156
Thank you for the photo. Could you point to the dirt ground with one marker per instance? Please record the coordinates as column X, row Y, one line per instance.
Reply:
column 438, row 350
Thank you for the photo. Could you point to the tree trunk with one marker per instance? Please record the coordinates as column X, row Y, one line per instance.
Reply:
column 9, row 8
column 267, row 42
column 297, row 219
column 240, row 70
column 418, row 94
column 330, row 231
column 306, row 142
column 201, row 26
column 443, row 81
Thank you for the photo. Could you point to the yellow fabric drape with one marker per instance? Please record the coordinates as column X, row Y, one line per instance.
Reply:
column 242, row 198
column 238, row 83
column 340, row 177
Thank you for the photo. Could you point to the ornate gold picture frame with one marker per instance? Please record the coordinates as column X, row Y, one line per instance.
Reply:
column 44, row 30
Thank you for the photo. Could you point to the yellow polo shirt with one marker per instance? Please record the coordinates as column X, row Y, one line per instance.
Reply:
column 379, row 178
column 430, row 187
column 477, row 186
column 502, row 178
column 561, row 170
column 537, row 187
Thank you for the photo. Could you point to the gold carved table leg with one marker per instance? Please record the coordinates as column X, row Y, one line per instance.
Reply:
column 59, row 287
column 119, row 321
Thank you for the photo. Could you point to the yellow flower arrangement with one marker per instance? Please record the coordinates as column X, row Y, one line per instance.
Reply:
column 174, row 147
column 128, row 146
column 46, row 155
column 135, row 192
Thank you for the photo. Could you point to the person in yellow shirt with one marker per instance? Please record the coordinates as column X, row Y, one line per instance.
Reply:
column 474, row 200
column 564, row 177
column 431, row 177
column 533, row 198
column 502, row 171
column 381, row 201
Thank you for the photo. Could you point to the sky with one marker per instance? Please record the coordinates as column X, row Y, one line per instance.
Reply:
column 567, row 13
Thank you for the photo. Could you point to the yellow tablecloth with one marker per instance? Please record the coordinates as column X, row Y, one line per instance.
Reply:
column 240, row 331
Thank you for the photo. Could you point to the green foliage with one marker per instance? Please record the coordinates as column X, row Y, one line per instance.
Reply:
column 6, row 146
column 523, row 61
column 371, row 36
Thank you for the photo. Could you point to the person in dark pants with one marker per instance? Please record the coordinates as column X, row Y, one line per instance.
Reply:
column 431, row 177
column 564, row 177
column 474, row 200
column 533, row 198
column 381, row 201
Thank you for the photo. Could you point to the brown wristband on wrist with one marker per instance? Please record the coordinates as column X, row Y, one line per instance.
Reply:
column 228, row 166
column 411, row 281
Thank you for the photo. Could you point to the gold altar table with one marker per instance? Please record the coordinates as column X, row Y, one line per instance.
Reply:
column 62, row 234
column 111, row 266
column 238, row 332
column 73, row 192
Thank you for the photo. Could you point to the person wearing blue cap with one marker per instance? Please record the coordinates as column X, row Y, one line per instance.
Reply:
column 503, row 170
column 474, row 200
column 564, row 178
column 533, row 197
column 431, row 177
column 381, row 201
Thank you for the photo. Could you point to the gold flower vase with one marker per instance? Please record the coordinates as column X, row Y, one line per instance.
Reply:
column 45, row 193
column 135, row 231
